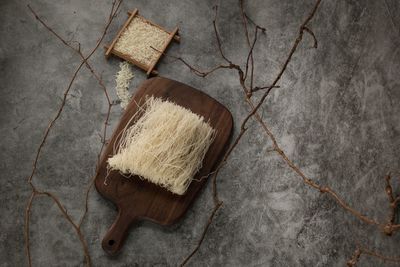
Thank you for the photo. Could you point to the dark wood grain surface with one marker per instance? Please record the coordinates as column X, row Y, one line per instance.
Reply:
column 137, row 199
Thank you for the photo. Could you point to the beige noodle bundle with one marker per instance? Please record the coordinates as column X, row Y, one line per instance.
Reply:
column 166, row 145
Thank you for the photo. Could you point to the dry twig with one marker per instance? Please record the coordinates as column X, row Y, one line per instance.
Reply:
column 37, row 192
column 248, row 93
column 388, row 228
column 355, row 258
column 246, row 80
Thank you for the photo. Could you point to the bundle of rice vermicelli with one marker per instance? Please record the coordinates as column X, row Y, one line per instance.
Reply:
column 166, row 145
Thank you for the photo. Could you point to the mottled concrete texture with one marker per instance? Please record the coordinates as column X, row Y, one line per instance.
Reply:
column 336, row 114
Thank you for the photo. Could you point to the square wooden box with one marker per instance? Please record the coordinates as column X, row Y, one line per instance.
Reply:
column 173, row 35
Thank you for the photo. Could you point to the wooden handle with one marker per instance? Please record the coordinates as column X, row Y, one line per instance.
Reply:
column 115, row 237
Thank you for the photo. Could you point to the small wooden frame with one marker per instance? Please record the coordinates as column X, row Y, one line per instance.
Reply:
column 149, row 69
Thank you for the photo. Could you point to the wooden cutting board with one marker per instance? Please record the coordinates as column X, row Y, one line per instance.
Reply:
column 138, row 199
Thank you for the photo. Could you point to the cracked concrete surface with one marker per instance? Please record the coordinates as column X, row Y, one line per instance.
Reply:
column 336, row 114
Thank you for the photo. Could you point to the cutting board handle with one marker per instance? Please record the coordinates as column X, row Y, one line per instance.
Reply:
column 115, row 237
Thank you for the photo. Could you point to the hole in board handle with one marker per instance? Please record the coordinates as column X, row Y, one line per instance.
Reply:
column 111, row 242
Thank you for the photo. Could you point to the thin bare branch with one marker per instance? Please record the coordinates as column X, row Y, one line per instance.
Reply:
column 70, row 220
column 388, row 227
column 26, row 226
column 196, row 71
column 35, row 192
column 255, row 24
column 312, row 35
column 355, row 258
column 203, row 235
column 217, row 36
column 323, row 189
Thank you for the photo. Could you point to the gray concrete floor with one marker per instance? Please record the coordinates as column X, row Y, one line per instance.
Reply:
column 336, row 114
